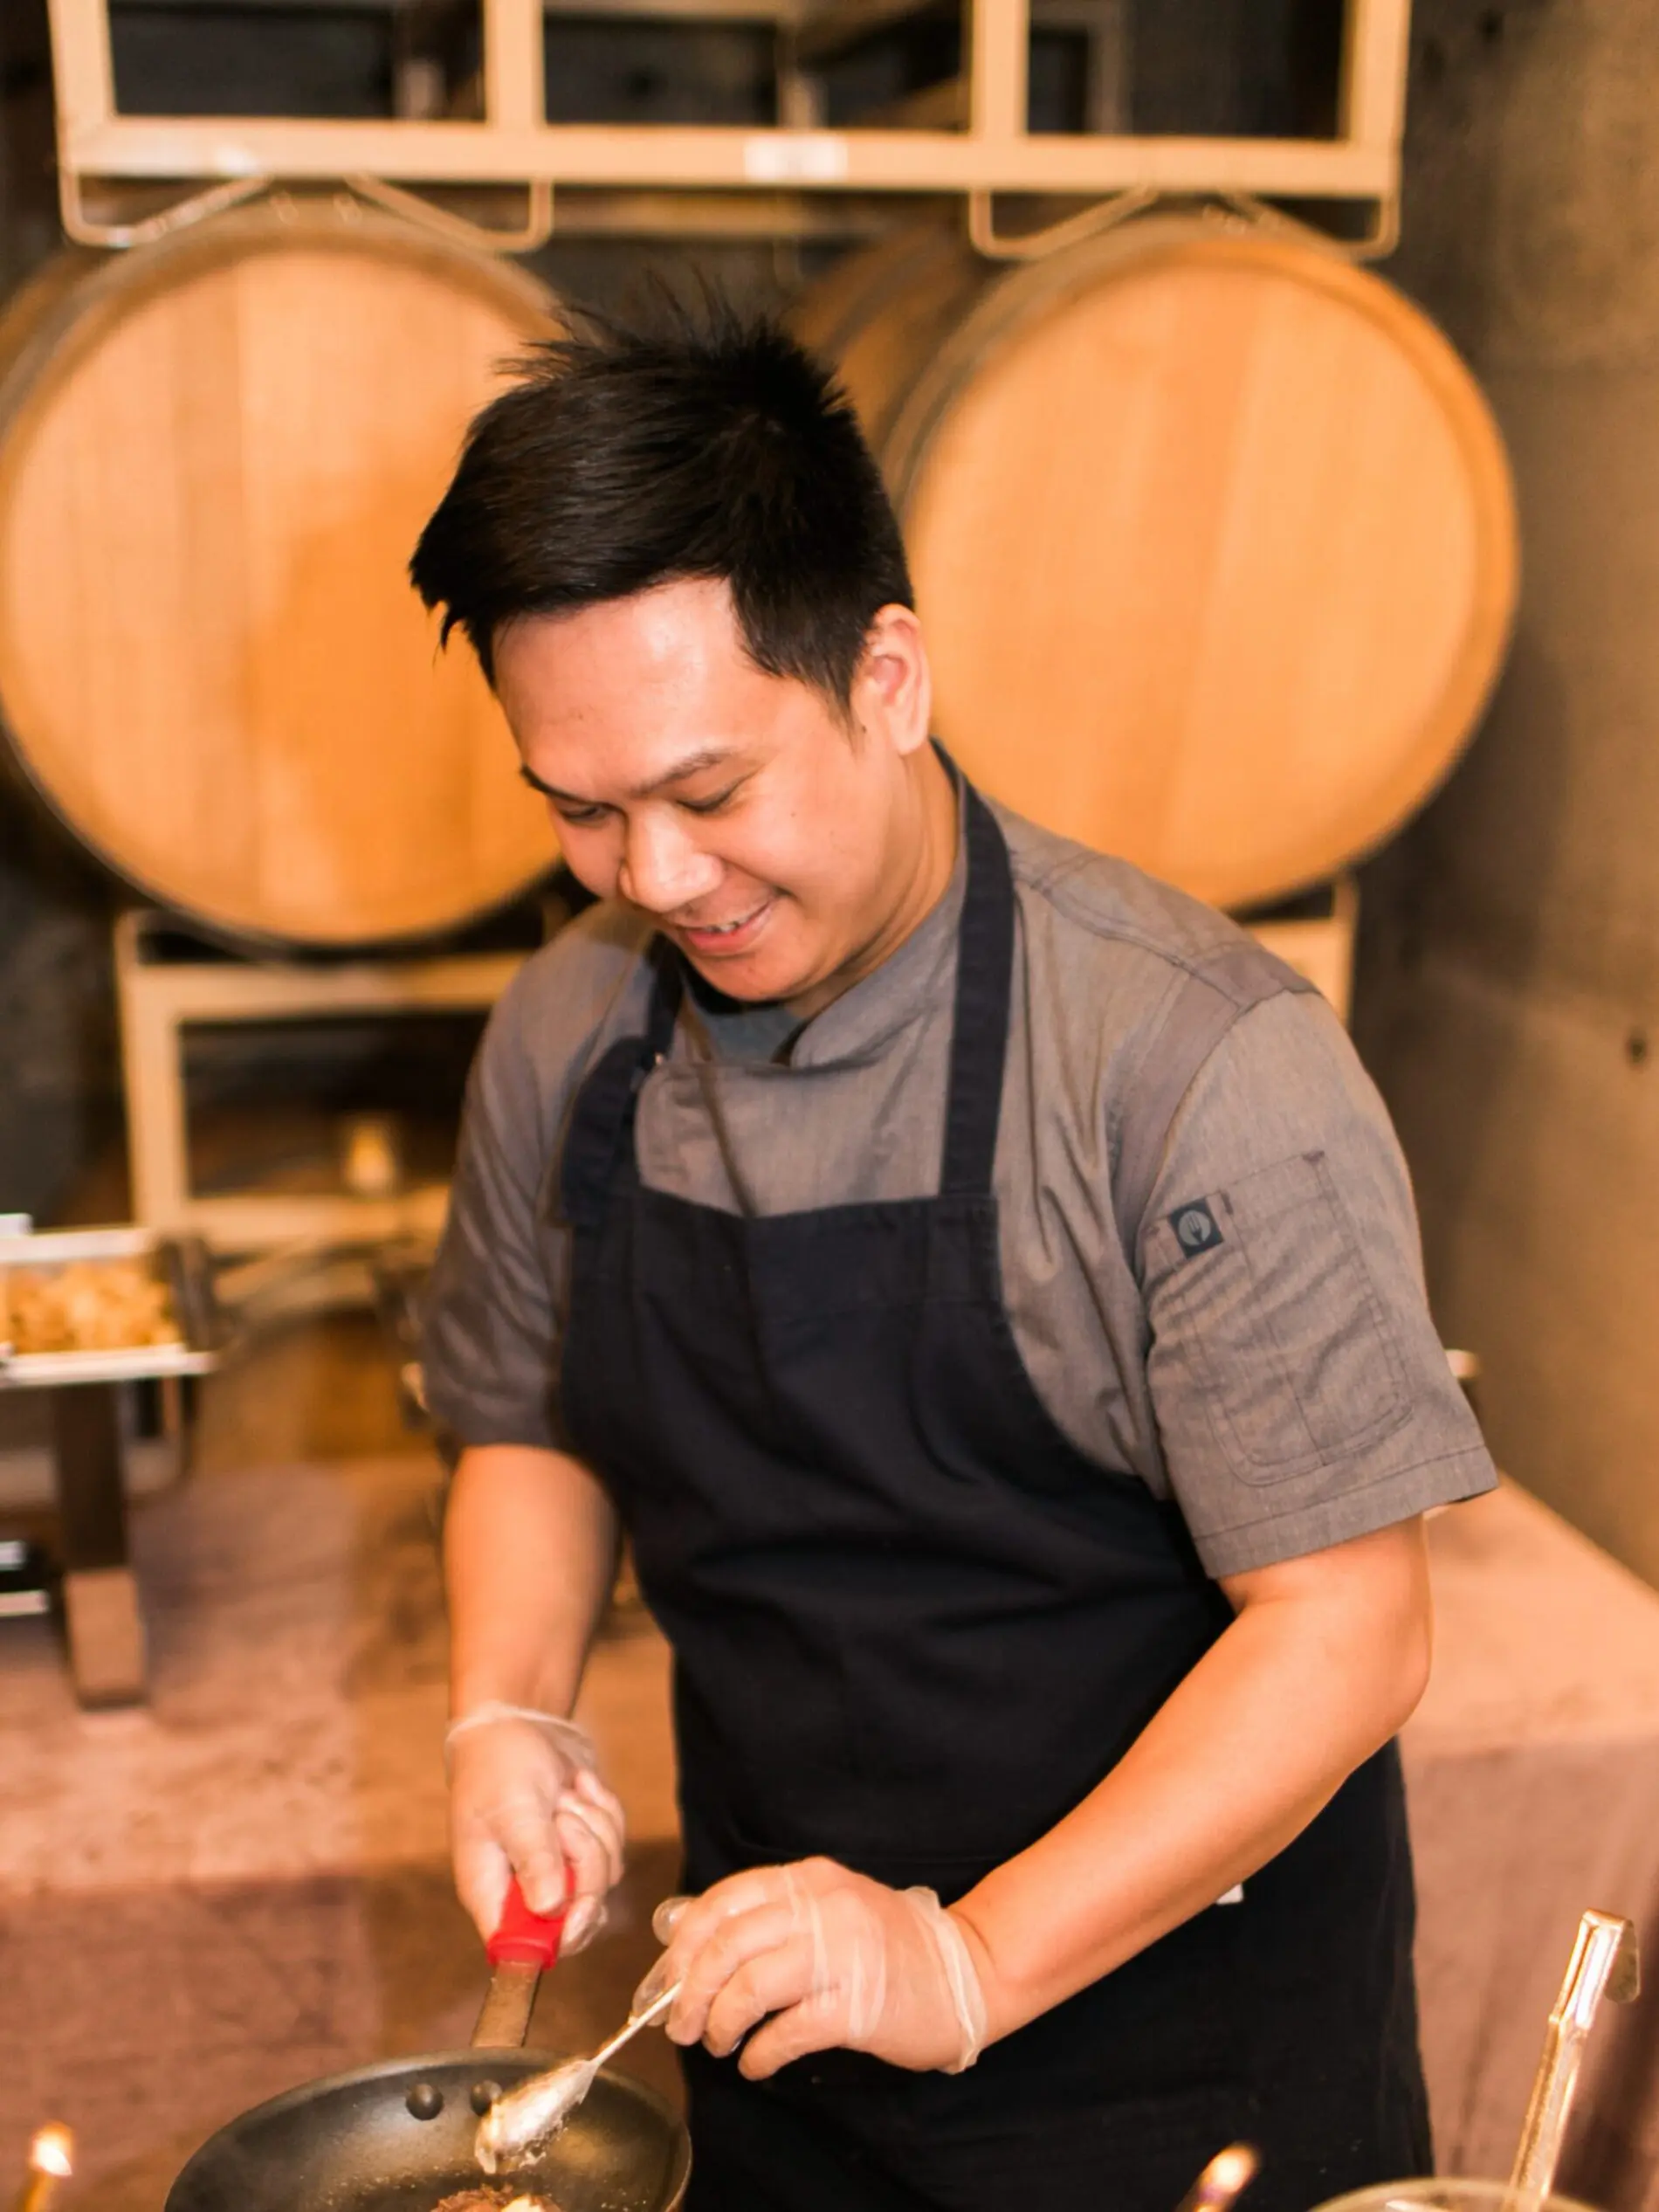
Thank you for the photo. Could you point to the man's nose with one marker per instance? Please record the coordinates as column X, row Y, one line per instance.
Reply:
column 664, row 868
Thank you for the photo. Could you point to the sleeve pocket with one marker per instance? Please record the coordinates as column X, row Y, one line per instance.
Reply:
column 1281, row 1326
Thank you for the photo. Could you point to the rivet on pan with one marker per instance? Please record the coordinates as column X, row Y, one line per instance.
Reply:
column 425, row 2100
column 484, row 2095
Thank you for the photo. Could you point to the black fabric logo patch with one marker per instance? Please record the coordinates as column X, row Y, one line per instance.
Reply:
column 1195, row 1227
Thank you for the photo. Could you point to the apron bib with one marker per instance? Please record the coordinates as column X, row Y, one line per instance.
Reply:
column 912, row 1626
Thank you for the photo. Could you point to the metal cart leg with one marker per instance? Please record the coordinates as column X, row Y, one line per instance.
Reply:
column 101, row 1598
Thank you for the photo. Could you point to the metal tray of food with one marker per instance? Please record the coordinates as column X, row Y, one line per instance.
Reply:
column 104, row 1305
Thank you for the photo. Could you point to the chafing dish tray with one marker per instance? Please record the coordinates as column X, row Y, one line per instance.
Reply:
column 105, row 1283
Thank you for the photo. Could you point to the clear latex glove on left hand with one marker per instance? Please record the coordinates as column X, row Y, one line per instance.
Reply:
column 829, row 1960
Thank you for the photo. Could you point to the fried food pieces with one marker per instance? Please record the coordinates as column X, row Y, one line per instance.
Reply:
column 502, row 2198
column 86, row 1305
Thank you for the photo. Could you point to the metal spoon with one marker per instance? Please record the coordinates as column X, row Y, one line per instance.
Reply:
column 517, row 2124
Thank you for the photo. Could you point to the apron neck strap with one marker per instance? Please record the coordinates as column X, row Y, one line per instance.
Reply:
column 599, row 1144
column 984, row 985
column 665, row 1005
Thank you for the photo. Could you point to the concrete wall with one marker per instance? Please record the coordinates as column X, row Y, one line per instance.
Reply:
column 1510, row 981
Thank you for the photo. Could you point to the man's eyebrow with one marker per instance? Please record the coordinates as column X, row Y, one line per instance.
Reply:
column 693, row 764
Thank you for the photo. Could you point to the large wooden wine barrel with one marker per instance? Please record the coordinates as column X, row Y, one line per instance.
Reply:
column 216, row 455
column 1212, row 536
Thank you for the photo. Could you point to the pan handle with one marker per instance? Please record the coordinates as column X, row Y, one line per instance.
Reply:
column 527, row 1938
column 524, row 1945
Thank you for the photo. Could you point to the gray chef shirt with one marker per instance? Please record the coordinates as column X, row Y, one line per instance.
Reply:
column 1254, row 1344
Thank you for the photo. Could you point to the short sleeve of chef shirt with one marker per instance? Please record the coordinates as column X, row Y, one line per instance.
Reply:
column 1300, row 1389
column 1262, row 1355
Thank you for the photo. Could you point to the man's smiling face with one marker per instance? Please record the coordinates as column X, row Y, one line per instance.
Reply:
column 773, row 841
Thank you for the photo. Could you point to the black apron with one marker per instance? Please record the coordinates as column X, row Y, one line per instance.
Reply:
column 912, row 1626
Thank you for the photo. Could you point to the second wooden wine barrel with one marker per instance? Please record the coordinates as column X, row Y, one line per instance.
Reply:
column 216, row 455
column 1212, row 536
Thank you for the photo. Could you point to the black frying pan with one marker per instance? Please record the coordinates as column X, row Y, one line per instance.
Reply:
column 353, row 2143
column 398, row 2137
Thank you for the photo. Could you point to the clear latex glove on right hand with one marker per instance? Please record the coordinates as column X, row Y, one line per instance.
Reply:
column 525, row 1799
column 829, row 1960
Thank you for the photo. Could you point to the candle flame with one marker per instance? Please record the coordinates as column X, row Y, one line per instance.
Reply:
column 52, row 2151
column 1227, row 2173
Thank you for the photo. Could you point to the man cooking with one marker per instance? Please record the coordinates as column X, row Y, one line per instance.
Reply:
column 985, row 1286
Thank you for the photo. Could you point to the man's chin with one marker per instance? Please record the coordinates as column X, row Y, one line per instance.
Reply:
column 752, row 964
column 752, row 983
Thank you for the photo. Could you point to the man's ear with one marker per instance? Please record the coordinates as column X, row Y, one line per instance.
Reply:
column 892, row 692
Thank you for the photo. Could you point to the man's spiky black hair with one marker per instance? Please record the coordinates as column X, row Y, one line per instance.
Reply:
column 702, row 444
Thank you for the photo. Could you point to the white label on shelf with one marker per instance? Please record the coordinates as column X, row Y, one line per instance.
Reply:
column 795, row 157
